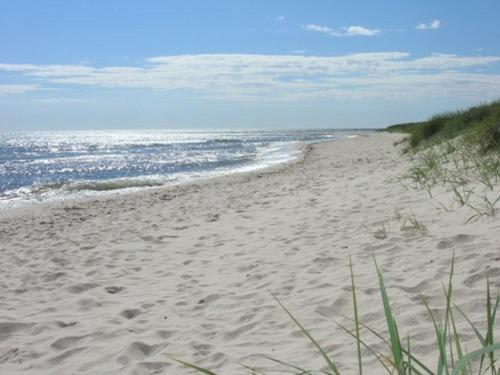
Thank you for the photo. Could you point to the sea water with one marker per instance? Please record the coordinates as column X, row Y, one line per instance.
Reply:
column 47, row 166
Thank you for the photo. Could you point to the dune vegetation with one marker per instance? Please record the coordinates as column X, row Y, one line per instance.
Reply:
column 460, row 152
column 479, row 126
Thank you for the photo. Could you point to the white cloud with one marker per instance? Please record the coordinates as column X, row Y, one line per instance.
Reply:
column 435, row 24
column 283, row 77
column 280, row 18
column 344, row 31
column 318, row 28
column 16, row 89
column 360, row 30
column 63, row 100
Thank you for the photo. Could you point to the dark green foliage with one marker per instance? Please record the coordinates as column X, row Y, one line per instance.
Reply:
column 487, row 135
column 478, row 125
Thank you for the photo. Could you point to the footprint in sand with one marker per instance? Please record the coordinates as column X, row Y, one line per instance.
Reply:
column 131, row 313
column 52, row 276
column 65, row 355
column 80, row 288
column 141, row 350
column 65, row 342
column 7, row 328
column 154, row 367
column 213, row 218
column 113, row 289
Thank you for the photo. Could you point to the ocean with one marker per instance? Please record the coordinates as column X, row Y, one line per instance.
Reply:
column 51, row 166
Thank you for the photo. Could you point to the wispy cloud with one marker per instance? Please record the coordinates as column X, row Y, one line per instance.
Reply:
column 318, row 28
column 435, row 24
column 362, row 31
column 63, row 100
column 344, row 31
column 280, row 18
column 281, row 77
column 16, row 89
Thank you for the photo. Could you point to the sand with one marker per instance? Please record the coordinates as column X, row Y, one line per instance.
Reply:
column 112, row 285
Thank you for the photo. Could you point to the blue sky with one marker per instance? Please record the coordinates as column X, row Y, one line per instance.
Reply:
column 73, row 64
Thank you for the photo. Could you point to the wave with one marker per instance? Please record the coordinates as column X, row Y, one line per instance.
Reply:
column 225, row 140
column 56, row 166
column 56, row 191
column 106, row 185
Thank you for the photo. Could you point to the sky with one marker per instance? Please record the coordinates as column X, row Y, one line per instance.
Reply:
column 130, row 64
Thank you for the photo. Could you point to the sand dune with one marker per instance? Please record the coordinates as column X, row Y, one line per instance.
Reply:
column 111, row 285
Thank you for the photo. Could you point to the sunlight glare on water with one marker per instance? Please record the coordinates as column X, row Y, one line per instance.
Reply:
column 41, row 166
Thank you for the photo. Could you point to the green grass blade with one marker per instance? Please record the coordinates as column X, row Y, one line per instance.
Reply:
column 391, row 324
column 489, row 325
column 496, row 307
column 384, row 340
column 303, row 371
column 490, row 320
column 476, row 331
column 458, row 345
column 469, row 357
column 329, row 362
column 365, row 345
column 192, row 366
column 448, row 295
column 409, row 355
column 254, row 371
column 439, row 336
column 450, row 345
column 356, row 318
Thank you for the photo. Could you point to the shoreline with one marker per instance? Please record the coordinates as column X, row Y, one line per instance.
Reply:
column 112, row 285
column 302, row 147
column 87, row 188
column 102, row 198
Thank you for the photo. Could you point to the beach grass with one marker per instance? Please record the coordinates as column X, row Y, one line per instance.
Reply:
column 459, row 151
column 407, row 222
column 470, row 176
column 450, row 357
column 479, row 125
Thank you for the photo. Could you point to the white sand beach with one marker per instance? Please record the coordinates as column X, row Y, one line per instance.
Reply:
column 113, row 285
